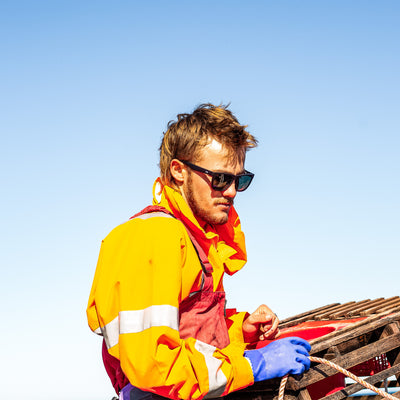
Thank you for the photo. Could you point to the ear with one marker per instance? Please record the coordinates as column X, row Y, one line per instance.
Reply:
column 178, row 171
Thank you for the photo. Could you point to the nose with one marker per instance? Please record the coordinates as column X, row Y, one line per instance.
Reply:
column 230, row 191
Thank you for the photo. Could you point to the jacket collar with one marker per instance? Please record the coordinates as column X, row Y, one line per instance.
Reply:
column 224, row 244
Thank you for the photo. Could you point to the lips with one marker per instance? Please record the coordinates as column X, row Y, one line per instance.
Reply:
column 226, row 206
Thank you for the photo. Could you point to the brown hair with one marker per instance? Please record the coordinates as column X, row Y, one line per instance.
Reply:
column 191, row 132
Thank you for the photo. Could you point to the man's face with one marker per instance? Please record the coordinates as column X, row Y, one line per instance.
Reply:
column 209, row 205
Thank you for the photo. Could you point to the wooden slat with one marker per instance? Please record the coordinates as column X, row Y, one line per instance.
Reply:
column 351, row 307
column 306, row 316
column 391, row 309
column 385, row 307
column 393, row 356
column 304, row 395
column 397, row 394
column 334, row 309
column 381, row 307
column 375, row 302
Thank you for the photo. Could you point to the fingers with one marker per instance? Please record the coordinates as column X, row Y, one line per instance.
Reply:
column 300, row 365
column 270, row 334
column 301, row 350
column 270, row 331
column 275, row 323
column 304, row 360
column 299, row 341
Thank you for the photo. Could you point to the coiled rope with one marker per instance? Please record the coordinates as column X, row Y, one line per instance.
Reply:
column 344, row 372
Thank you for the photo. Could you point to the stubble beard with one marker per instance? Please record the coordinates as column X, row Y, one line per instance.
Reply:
column 206, row 215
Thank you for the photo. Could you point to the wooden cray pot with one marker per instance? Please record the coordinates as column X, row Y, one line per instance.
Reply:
column 363, row 337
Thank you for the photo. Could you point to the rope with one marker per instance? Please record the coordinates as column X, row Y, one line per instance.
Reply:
column 344, row 372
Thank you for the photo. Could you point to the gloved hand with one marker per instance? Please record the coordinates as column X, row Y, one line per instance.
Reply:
column 281, row 357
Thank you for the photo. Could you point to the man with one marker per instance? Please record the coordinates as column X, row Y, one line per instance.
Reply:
column 157, row 296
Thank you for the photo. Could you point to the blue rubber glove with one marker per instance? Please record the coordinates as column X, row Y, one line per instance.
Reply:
column 281, row 357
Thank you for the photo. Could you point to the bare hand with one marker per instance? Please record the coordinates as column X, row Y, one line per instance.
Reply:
column 260, row 325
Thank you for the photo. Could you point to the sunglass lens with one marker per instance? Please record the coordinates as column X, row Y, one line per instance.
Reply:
column 244, row 182
column 221, row 181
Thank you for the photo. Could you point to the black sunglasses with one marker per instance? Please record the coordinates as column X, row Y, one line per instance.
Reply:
column 221, row 180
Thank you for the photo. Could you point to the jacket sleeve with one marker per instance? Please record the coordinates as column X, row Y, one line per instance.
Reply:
column 234, row 322
column 134, row 303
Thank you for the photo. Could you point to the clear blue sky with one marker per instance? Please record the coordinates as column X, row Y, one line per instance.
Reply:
column 87, row 88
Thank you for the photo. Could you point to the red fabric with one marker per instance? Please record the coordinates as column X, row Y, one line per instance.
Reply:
column 114, row 371
column 150, row 209
column 202, row 316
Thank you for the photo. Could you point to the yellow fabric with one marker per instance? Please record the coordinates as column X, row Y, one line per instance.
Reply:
column 152, row 262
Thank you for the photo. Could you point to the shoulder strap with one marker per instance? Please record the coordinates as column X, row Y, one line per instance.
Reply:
column 152, row 210
column 207, row 267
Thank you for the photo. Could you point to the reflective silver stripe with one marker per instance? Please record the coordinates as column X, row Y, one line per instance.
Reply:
column 216, row 378
column 154, row 214
column 98, row 331
column 139, row 320
column 111, row 332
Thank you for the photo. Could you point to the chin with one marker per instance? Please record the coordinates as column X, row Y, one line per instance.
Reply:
column 218, row 219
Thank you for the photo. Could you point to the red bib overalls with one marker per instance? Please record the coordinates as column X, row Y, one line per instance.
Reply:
column 202, row 313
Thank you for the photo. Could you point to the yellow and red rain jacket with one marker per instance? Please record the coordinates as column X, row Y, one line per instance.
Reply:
column 147, row 267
